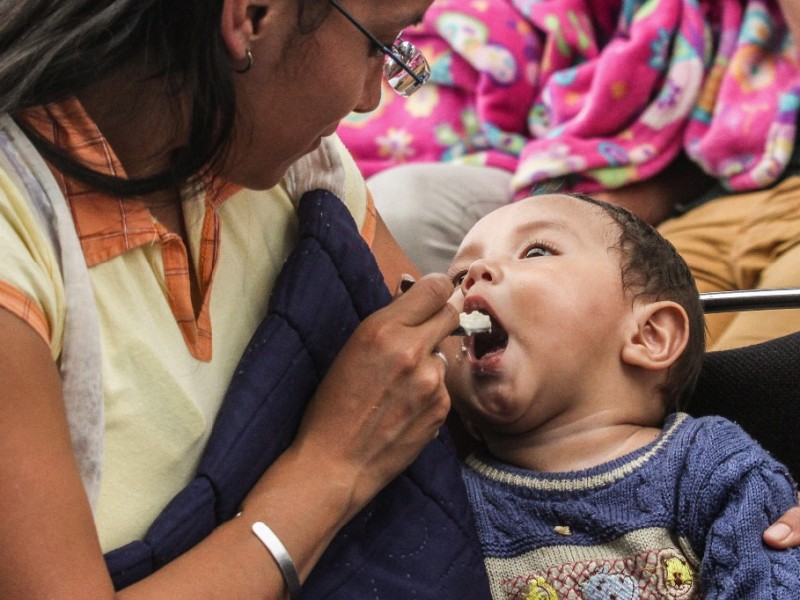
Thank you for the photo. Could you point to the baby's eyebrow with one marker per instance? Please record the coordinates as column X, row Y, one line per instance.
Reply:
column 530, row 229
column 467, row 253
column 544, row 225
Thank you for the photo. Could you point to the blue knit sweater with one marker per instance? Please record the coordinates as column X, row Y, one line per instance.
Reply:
column 680, row 518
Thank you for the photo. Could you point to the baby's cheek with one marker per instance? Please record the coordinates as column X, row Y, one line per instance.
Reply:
column 462, row 394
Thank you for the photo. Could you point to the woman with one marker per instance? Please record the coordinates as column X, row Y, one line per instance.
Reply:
column 235, row 91
column 192, row 112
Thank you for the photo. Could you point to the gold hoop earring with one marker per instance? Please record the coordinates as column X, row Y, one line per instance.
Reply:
column 246, row 68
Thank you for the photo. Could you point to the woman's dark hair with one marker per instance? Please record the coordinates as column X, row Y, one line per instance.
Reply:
column 653, row 269
column 51, row 49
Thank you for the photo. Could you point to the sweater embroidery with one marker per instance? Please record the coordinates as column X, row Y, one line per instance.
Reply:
column 647, row 564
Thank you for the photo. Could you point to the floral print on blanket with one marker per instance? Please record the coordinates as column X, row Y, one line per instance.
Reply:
column 602, row 92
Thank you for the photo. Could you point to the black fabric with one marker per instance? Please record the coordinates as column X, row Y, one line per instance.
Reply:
column 758, row 387
column 416, row 539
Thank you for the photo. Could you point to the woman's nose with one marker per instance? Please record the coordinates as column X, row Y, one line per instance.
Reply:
column 371, row 94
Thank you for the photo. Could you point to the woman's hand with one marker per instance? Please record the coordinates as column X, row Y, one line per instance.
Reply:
column 384, row 397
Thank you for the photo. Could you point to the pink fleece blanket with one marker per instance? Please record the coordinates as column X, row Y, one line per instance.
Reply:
column 605, row 92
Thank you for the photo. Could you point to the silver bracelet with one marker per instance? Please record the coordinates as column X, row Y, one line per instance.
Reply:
column 281, row 556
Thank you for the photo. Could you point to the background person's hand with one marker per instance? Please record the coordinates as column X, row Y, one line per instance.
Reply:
column 785, row 532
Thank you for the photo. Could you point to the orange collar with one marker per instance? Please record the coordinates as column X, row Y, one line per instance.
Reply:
column 107, row 227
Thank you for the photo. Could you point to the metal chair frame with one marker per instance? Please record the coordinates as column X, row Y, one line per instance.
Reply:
column 737, row 300
column 756, row 386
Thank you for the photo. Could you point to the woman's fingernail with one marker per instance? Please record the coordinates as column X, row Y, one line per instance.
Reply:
column 406, row 281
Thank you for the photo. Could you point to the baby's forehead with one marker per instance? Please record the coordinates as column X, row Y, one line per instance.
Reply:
column 575, row 213
column 556, row 203
column 539, row 216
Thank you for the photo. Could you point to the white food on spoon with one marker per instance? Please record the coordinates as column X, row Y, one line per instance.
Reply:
column 475, row 322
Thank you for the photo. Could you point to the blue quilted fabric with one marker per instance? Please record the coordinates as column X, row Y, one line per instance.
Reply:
column 417, row 538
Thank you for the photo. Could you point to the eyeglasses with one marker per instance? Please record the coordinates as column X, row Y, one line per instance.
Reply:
column 404, row 67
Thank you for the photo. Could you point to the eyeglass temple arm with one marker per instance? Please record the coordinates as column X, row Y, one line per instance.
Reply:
column 385, row 49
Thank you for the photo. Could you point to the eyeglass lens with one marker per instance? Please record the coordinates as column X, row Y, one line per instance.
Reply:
column 401, row 80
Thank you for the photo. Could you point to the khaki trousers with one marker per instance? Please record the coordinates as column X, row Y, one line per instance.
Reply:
column 744, row 241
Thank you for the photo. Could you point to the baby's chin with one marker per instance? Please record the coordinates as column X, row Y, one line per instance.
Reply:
column 495, row 407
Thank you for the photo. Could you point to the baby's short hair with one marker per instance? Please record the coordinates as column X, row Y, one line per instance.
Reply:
column 653, row 270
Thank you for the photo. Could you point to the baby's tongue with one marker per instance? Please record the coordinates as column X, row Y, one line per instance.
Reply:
column 491, row 341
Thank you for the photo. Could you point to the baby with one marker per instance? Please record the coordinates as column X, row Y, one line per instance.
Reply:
column 590, row 482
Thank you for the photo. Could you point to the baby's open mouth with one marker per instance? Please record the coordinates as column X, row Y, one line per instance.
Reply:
column 490, row 341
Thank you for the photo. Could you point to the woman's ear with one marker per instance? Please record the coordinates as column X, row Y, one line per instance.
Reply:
column 242, row 22
column 659, row 335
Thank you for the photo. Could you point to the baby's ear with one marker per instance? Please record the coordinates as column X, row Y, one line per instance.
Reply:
column 659, row 335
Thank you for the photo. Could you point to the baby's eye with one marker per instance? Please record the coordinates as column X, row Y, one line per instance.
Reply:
column 458, row 278
column 538, row 250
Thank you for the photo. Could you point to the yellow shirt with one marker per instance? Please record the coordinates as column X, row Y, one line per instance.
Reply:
column 165, row 369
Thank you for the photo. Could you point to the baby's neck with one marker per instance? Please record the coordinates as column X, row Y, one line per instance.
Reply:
column 572, row 447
